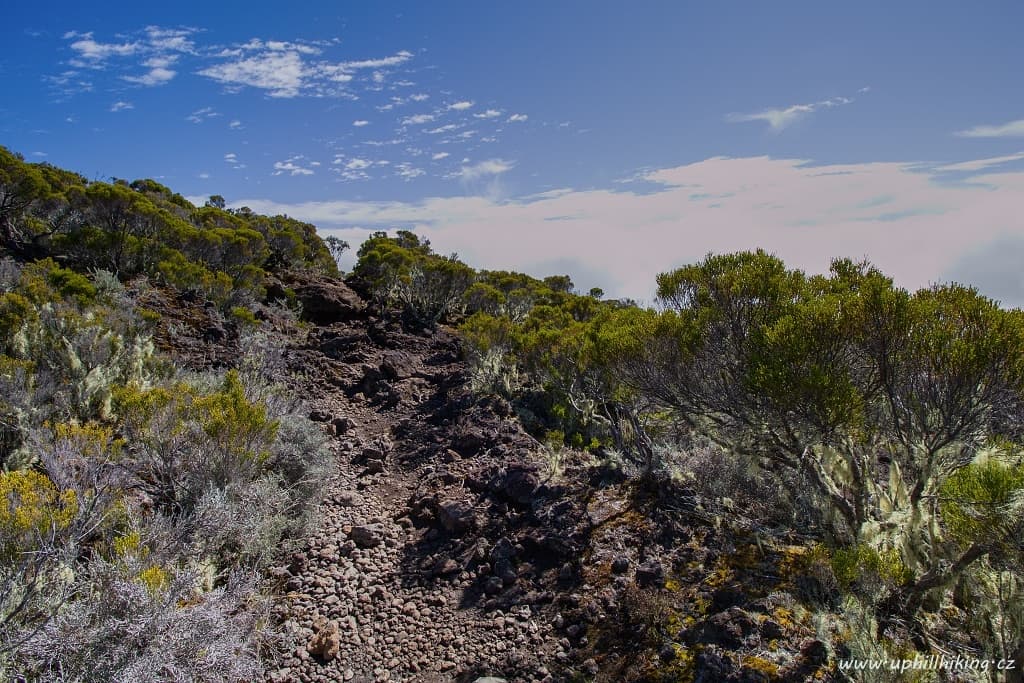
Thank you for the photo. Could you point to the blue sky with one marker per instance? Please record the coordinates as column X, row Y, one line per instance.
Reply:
column 607, row 140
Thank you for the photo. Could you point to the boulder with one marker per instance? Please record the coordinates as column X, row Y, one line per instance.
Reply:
column 326, row 300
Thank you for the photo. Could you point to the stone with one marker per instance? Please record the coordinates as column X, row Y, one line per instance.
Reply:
column 493, row 585
column 814, row 651
column 620, row 564
column 326, row 300
column 490, row 679
column 398, row 365
column 520, row 483
column 771, row 630
column 728, row 628
column 650, row 573
column 344, row 424
column 326, row 643
column 367, row 535
column 456, row 516
column 711, row 667
column 348, row 499
column 469, row 440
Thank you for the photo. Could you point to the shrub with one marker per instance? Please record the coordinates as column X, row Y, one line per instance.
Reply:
column 31, row 509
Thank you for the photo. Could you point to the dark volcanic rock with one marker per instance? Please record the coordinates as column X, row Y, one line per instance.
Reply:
column 326, row 301
column 520, row 483
column 456, row 516
column 650, row 573
column 711, row 667
column 367, row 535
column 728, row 628
column 398, row 365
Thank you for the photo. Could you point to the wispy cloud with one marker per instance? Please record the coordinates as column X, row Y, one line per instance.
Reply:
column 235, row 125
column 408, row 171
column 980, row 164
column 447, row 128
column 483, row 169
column 161, row 48
column 489, row 114
column 279, row 73
column 418, row 119
column 91, row 53
column 232, row 159
column 201, row 115
column 287, row 69
column 461, row 106
column 158, row 73
column 440, row 155
column 121, row 105
column 517, row 118
column 1012, row 129
column 297, row 165
column 359, row 123
column 779, row 119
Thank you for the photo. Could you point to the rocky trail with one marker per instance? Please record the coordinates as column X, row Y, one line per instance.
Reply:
column 409, row 576
column 451, row 546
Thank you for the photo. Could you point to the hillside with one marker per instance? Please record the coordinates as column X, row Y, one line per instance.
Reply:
column 222, row 461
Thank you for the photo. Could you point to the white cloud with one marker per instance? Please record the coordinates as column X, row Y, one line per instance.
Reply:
column 358, row 164
column 393, row 60
column 489, row 114
column 291, row 167
column 232, row 159
column 444, row 129
column 158, row 73
column 170, row 40
column 201, row 115
column 94, row 53
column 279, row 73
column 284, row 69
column 204, row 175
column 461, row 106
column 440, row 155
column 235, row 125
column 418, row 119
column 779, row 119
column 979, row 164
column 902, row 216
column 517, row 118
column 490, row 167
column 419, row 97
column 1013, row 129
column 408, row 171
column 359, row 123
column 121, row 105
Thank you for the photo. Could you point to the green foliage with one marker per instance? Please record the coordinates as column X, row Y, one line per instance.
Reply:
column 403, row 271
column 985, row 499
column 862, row 563
column 144, row 228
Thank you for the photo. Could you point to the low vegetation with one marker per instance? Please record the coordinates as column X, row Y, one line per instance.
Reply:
column 140, row 503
